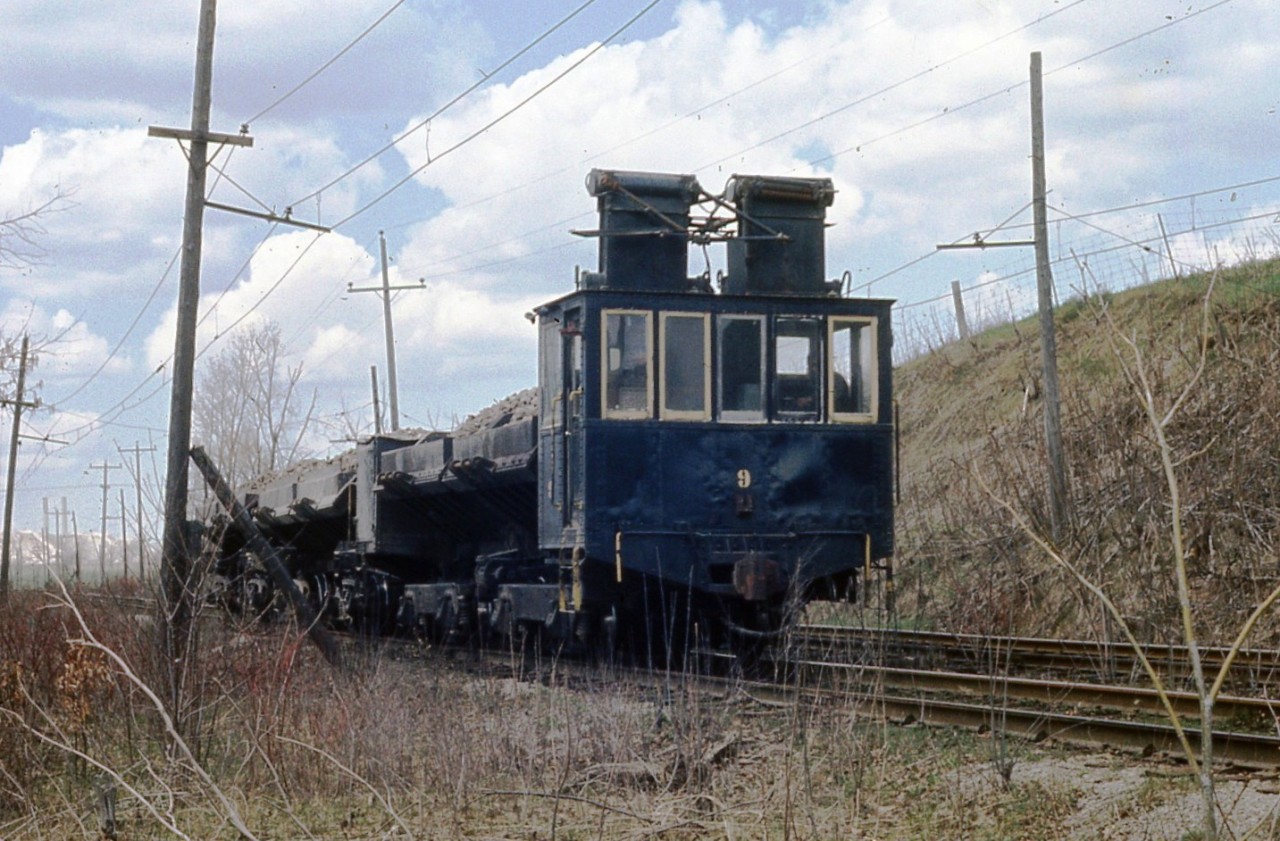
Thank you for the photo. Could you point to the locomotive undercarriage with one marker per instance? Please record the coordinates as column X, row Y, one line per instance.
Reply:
column 518, row 602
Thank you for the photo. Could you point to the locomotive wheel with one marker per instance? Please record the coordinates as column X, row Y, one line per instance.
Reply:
column 606, row 641
column 446, row 620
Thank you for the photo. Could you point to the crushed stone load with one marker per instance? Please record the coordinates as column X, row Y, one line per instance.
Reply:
column 517, row 407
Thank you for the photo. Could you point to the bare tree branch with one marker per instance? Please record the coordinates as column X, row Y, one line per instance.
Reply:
column 22, row 233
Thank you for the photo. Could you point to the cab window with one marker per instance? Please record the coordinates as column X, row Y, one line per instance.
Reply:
column 797, row 368
column 852, row 386
column 741, row 386
column 626, row 365
column 686, row 364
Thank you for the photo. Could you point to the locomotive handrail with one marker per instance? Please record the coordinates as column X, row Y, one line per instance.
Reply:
column 790, row 535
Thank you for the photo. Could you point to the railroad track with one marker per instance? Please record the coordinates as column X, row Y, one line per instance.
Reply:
column 1252, row 669
column 1108, row 714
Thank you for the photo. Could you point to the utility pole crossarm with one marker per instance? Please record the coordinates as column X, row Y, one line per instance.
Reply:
column 386, row 289
column 1059, row 506
column 422, row 284
column 206, row 136
column 978, row 242
column 102, row 541
column 137, row 450
column 286, row 219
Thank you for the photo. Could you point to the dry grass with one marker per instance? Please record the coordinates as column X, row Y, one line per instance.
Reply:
column 965, row 408
column 398, row 749
column 264, row 741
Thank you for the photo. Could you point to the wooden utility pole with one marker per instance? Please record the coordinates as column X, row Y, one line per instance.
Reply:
column 102, row 542
column 377, row 410
column 44, row 539
column 1058, row 512
column 175, row 554
column 1058, row 508
column 75, row 537
column 962, row 324
column 393, row 398
column 124, row 536
column 18, row 405
column 137, row 451
column 58, row 516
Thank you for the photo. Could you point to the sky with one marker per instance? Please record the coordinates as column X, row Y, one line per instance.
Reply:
column 464, row 130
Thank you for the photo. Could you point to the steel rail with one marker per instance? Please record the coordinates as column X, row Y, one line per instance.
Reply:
column 1004, row 687
column 1246, row 750
column 1251, row 663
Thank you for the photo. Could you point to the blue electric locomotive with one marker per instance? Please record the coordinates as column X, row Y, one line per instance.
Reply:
column 693, row 458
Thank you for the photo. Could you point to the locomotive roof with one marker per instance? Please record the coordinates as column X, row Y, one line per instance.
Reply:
column 775, row 300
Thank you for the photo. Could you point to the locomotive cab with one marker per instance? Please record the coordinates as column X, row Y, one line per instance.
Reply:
column 729, row 447
column 698, row 456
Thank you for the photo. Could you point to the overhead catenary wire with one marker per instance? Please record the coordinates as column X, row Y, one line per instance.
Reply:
column 701, row 109
column 443, row 108
column 115, row 350
column 1128, row 41
column 644, row 11
column 351, row 45
column 222, row 174
column 142, row 310
column 946, row 111
column 951, row 110
column 505, row 114
column 627, row 25
column 1144, row 245
column 888, row 88
column 730, row 96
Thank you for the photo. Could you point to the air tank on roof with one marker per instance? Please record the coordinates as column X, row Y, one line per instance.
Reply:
column 644, row 229
column 779, row 249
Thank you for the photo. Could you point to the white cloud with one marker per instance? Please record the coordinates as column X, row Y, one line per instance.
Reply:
column 920, row 117
column 63, row 344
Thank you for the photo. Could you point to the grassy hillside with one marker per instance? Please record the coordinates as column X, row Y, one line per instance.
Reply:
column 973, row 408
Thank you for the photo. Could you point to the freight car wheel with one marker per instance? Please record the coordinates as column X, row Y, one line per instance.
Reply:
column 445, row 622
column 750, row 629
column 658, row 624
column 606, row 648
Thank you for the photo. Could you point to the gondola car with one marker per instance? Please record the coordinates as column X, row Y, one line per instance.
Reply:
column 699, row 457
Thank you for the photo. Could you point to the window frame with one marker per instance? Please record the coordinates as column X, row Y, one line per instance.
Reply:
column 870, row 367
column 626, row 414
column 774, row 376
column 760, row 415
column 664, row 412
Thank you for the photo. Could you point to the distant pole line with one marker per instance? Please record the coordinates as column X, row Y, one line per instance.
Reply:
column 18, row 405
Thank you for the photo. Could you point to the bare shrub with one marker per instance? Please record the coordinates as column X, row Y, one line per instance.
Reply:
column 962, row 564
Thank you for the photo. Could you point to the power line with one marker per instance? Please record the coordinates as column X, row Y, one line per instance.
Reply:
column 505, row 114
column 640, row 14
column 456, row 99
column 456, row 146
column 655, row 130
column 222, row 174
column 1126, row 243
column 729, row 96
column 155, row 290
column 890, row 87
column 1130, row 40
column 1153, row 202
column 560, row 246
column 327, row 64
column 950, row 110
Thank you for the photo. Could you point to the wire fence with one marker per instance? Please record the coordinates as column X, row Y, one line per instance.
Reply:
column 1089, row 255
